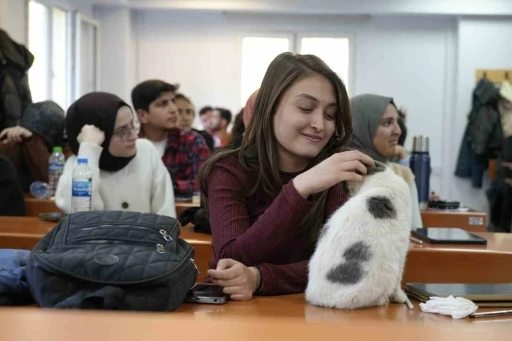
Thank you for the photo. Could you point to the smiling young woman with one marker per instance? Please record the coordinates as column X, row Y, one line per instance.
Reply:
column 268, row 198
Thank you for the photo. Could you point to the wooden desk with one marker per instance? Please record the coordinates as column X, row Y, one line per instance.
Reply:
column 22, row 232
column 262, row 318
column 491, row 263
column 471, row 221
column 34, row 206
column 182, row 206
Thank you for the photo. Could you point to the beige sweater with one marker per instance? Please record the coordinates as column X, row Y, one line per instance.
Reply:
column 144, row 185
column 406, row 174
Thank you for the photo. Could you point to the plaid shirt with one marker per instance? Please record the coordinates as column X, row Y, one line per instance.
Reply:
column 184, row 154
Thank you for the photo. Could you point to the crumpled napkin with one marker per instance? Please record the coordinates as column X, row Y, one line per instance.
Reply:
column 457, row 307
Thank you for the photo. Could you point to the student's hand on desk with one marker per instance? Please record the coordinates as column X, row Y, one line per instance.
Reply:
column 238, row 280
column 15, row 134
column 91, row 134
column 335, row 169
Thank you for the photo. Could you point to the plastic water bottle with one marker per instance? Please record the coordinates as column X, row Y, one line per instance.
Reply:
column 420, row 166
column 55, row 168
column 40, row 190
column 81, row 187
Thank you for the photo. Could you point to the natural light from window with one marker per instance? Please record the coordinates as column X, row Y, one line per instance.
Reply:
column 257, row 54
column 333, row 51
column 59, row 57
column 38, row 45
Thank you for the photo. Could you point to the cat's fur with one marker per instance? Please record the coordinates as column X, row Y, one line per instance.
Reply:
column 360, row 255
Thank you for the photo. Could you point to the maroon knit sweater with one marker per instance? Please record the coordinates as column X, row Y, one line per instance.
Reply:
column 262, row 230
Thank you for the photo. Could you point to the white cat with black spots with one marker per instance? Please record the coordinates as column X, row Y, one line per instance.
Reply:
column 360, row 255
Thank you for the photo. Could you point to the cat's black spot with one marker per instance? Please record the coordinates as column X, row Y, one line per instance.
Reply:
column 347, row 273
column 381, row 207
column 379, row 167
column 358, row 252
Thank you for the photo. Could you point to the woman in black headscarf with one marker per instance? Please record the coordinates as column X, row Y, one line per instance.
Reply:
column 29, row 145
column 127, row 172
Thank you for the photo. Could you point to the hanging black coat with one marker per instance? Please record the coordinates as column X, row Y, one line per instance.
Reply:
column 15, row 97
column 483, row 137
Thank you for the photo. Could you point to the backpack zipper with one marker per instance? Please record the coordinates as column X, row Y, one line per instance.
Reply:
column 193, row 262
column 159, row 247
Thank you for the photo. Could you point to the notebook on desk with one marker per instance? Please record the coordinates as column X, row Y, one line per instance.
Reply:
column 447, row 235
column 484, row 295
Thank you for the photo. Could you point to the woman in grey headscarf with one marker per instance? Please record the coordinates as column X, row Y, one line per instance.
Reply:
column 376, row 133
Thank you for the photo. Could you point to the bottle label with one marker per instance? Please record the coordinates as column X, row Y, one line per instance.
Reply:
column 82, row 188
column 56, row 167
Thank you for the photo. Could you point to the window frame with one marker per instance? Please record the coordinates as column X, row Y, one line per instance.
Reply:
column 78, row 18
column 295, row 38
column 258, row 34
column 49, row 30
column 351, row 81
column 50, row 6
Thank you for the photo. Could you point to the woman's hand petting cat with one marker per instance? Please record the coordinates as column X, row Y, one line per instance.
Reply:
column 335, row 169
column 238, row 280
column 15, row 134
column 91, row 134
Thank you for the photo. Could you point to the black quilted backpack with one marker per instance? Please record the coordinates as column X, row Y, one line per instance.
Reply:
column 112, row 260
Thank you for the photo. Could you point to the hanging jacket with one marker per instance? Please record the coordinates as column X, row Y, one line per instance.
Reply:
column 483, row 136
column 15, row 97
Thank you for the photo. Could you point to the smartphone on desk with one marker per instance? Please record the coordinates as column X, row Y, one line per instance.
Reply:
column 54, row 217
column 207, row 293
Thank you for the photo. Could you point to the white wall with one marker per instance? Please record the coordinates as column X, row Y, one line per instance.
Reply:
column 13, row 19
column 13, row 14
column 117, row 48
column 401, row 57
column 484, row 43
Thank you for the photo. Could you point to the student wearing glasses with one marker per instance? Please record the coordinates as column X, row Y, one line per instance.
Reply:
column 127, row 172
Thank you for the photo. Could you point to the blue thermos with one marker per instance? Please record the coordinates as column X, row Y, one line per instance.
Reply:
column 420, row 166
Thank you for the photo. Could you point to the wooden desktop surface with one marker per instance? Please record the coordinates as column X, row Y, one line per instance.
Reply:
column 491, row 263
column 34, row 206
column 262, row 318
column 471, row 221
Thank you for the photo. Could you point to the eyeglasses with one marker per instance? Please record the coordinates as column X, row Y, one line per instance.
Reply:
column 124, row 133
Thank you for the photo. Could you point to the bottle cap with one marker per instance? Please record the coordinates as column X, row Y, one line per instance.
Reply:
column 57, row 149
column 84, row 161
column 420, row 143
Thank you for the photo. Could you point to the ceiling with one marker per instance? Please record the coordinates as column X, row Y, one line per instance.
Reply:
column 347, row 7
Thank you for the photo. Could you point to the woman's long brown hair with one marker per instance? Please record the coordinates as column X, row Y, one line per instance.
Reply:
column 258, row 151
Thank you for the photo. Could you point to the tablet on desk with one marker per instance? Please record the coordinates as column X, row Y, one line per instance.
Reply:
column 447, row 235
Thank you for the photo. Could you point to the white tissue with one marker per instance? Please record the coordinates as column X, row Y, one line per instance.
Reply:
column 457, row 307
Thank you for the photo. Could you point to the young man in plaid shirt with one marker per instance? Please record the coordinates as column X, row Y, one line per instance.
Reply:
column 182, row 151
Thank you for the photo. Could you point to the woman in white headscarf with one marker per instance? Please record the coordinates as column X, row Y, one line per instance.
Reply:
column 376, row 133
